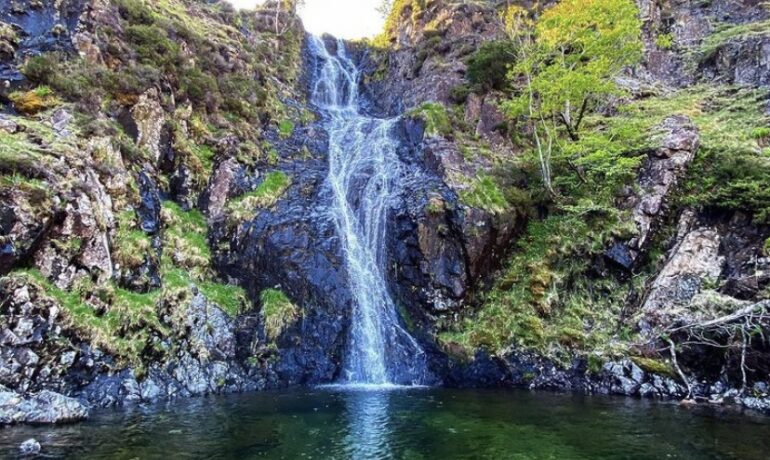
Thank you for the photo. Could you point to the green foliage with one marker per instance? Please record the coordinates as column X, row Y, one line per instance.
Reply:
column 266, row 195
column 198, row 86
column 123, row 328
column 131, row 246
column 135, row 11
column 436, row 118
column 485, row 193
column 184, row 241
column 397, row 9
column 579, row 47
column 152, row 45
column 285, row 129
column 664, row 41
column 488, row 67
column 278, row 312
column 544, row 301
column 231, row 299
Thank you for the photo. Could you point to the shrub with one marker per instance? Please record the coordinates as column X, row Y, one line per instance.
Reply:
column 41, row 69
column 152, row 45
column 197, row 85
column 488, row 67
column 135, row 12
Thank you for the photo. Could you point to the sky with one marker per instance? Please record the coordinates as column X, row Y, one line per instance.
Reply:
column 341, row 18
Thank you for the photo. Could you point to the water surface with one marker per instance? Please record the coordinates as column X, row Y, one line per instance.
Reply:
column 410, row 424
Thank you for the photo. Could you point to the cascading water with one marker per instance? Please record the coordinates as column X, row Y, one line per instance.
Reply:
column 364, row 174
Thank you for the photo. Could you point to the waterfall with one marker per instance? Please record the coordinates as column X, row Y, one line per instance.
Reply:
column 363, row 179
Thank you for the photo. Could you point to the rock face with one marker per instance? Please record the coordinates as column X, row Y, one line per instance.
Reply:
column 662, row 171
column 741, row 57
column 694, row 261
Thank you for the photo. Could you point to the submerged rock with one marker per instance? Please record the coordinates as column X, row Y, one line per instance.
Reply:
column 30, row 446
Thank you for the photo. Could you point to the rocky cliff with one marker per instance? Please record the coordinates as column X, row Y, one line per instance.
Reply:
column 162, row 183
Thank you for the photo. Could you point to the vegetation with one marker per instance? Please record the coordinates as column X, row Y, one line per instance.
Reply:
column 118, row 321
column 488, row 67
column 34, row 101
column 278, row 312
column 728, row 31
column 485, row 193
column 568, row 60
column 266, row 195
column 132, row 247
column 436, row 118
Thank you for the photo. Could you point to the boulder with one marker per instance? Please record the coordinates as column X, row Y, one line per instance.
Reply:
column 45, row 407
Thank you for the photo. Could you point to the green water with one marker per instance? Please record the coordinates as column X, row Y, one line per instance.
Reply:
column 408, row 424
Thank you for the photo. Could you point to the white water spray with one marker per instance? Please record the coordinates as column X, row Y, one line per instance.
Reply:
column 364, row 174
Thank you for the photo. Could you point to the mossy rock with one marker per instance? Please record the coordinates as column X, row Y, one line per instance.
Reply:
column 34, row 101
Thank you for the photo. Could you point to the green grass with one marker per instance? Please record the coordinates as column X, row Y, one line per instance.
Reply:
column 131, row 246
column 266, row 195
column 485, row 193
column 231, row 299
column 278, row 312
column 123, row 328
column 185, row 240
column 436, row 118
column 727, row 32
column 546, row 300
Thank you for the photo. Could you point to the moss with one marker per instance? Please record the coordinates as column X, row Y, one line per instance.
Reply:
column 231, row 299
column 436, row 118
column 34, row 101
column 266, row 195
column 278, row 312
column 655, row 366
column 285, row 129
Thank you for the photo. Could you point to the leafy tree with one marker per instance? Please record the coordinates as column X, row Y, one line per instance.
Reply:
column 567, row 61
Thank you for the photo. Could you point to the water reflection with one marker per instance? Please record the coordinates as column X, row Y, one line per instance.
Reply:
column 350, row 423
column 369, row 427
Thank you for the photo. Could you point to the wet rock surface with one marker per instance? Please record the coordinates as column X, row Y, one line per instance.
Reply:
column 45, row 407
